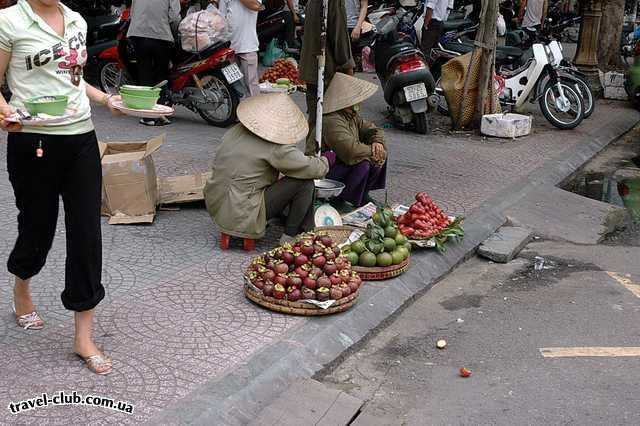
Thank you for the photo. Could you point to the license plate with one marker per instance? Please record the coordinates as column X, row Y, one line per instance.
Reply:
column 232, row 73
column 415, row 92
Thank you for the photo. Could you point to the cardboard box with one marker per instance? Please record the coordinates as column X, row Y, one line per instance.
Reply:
column 182, row 189
column 129, row 183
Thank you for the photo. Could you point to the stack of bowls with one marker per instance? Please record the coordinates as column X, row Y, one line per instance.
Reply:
column 51, row 105
column 139, row 97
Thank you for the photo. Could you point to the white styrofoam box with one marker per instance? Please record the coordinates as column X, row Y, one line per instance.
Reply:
column 506, row 125
column 613, row 79
column 617, row 93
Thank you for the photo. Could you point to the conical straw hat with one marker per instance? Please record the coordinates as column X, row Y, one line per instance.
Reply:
column 345, row 91
column 274, row 117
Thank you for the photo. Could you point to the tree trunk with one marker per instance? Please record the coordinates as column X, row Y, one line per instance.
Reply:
column 610, row 32
column 482, row 69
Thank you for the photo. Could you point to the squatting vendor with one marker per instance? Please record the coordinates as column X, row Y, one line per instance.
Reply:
column 245, row 190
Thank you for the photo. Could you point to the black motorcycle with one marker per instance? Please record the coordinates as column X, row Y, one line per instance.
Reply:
column 402, row 70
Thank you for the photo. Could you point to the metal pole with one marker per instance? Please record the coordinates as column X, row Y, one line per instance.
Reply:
column 321, row 60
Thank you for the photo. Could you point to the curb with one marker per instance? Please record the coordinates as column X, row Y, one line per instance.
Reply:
column 239, row 396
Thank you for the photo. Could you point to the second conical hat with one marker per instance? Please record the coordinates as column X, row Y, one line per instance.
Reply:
column 345, row 91
column 274, row 117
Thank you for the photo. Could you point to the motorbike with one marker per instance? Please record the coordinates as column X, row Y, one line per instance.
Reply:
column 102, row 34
column 561, row 105
column 208, row 83
column 402, row 70
column 272, row 24
column 560, row 23
column 508, row 60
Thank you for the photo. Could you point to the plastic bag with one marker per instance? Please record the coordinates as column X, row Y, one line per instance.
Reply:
column 501, row 25
column 272, row 53
column 203, row 29
column 367, row 60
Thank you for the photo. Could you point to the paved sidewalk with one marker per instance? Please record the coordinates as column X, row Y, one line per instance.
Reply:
column 175, row 317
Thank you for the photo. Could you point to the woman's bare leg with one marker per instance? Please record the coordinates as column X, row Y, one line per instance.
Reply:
column 22, row 297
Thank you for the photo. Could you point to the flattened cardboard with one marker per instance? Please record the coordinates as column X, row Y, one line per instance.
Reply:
column 182, row 189
column 130, row 188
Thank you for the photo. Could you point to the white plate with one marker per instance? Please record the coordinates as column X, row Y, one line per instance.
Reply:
column 232, row 73
column 157, row 111
column 41, row 120
column 415, row 92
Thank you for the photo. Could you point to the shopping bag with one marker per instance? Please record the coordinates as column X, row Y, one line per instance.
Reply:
column 272, row 53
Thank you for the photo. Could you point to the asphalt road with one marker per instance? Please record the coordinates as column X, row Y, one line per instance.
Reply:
column 496, row 318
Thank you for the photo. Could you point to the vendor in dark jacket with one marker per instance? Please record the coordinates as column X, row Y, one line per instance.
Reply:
column 354, row 147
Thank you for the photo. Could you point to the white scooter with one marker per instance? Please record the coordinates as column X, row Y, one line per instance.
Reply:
column 559, row 102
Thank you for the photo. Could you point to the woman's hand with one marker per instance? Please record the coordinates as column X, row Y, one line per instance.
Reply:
column 378, row 152
column 109, row 104
column 355, row 34
column 6, row 111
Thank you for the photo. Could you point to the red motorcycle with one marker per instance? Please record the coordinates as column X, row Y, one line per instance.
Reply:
column 208, row 83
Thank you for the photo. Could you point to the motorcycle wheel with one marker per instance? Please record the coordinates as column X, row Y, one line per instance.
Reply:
column 224, row 112
column 562, row 120
column 422, row 123
column 112, row 78
column 583, row 89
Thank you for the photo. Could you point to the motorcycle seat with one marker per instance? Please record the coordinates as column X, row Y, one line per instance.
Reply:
column 503, row 53
column 514, row 52
column 458, row 47
column 185, row 57
column 456, row 24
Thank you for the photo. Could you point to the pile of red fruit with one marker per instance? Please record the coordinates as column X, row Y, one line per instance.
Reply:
column 310, row 269
column 424, row 219
column 282, row 68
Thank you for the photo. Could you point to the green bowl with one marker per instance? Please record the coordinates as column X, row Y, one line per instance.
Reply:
column 139, row 102
column 139, row 93
column 145, row 91
column 52, row 105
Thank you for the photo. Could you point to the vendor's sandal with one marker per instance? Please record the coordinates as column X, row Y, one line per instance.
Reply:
column 30, row 321
column 99, row 364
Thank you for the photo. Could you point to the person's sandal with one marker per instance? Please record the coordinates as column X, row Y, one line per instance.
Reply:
column 99, row 364
column 30, row 321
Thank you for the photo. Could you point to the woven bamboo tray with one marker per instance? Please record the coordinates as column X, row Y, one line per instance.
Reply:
column 298, row 308
column 339, row 234
column 376, row 273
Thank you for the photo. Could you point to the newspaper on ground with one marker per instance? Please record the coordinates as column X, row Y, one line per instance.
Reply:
column 363, row 215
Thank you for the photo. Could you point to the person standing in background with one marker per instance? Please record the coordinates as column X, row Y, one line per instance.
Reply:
column 338, row 51
column 356, row 14
column 435, row 13
column 152, row 37
column 242, row 16
column 531, row 18
column 293, row 20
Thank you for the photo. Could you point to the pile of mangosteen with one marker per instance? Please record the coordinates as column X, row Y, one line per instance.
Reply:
column 312, row 268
